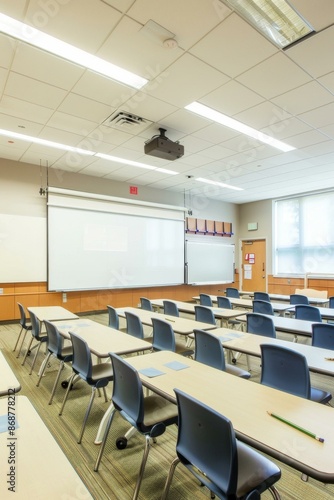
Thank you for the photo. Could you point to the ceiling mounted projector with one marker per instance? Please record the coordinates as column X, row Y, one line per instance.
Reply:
column 162, row 147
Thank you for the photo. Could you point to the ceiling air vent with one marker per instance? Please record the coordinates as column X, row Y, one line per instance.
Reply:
column 122, row 120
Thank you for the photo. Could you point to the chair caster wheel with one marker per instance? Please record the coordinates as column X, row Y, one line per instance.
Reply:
column 64, row 385
column 121, row 443
column 28, row 353
column 234, row 361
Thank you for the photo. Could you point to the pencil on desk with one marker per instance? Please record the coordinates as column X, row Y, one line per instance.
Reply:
column 295, row 426
column 329, row 359
column 171, row 320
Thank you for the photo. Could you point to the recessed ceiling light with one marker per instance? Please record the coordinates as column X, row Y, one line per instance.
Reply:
column 225, row 120
column 275, row 19
column 41, row 40
column 217, row 183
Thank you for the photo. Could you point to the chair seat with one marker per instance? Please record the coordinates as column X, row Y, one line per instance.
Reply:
column 158, row 409
column 100, row 370
column 320, row 396
column 235, row 370
column 254, row 471
column 66, row 352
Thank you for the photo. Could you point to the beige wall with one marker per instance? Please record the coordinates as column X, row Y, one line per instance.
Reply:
column 260, row 212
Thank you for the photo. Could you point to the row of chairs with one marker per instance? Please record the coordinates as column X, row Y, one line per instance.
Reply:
column 125, row 399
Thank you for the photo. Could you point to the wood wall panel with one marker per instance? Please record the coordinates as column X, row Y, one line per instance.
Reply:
column 36, row 294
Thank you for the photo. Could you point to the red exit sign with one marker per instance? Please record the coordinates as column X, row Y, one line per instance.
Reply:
column 133, row 190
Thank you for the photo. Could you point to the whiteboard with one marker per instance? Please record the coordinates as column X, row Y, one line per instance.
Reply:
column 91, row 249
column 22, row 248
column 209, row 262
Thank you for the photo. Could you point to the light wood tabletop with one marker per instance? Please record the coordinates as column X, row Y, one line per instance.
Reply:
column 102, row 339
column 183, row 326
column 247, row 404
column 8, row 382
column 52, row 313
column 319, row 360
column 37, row 466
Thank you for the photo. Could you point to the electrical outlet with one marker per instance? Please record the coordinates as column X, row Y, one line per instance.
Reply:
column 64, row 297
column 1, row 291
column 289, row 281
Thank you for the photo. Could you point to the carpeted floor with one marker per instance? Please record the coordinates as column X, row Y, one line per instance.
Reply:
column 119, row 468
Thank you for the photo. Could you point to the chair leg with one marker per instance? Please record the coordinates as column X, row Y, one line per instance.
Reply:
column 87, row 414
column 66, row 394
column 61, row 366
column 43, row 369
column 142, row 466
column 104, row 440
column 35, row 357
column 28, row 349
column 274, row 493
column 22, row 342
column 18, row 339
column 169, row 478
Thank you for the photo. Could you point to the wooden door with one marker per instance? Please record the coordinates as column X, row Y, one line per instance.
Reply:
column 253, row 265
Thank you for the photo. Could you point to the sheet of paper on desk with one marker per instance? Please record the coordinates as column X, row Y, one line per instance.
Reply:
column 151, row 372
column 6, row 425
column 230, row 336
column 176, row 365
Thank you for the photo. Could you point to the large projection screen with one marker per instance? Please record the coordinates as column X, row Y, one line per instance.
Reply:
column 209, row 262
column 92, row 249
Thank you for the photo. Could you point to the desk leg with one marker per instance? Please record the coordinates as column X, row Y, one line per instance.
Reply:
column 103, row 424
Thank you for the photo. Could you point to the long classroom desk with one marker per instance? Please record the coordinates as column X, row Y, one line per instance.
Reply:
column 247, row 404
column 182, row 326
column 102, row 339
column 278, row 307
column 314, row 301
column 37, row 466
column 288, row 325
column 52, row 313
column 188, row 307
column 249, row 343
column 8, row 381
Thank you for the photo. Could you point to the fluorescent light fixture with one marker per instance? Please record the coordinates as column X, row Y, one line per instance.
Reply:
column 218, row 117
column 116, row 159
column 276, row 19
column 32, row 36
column 220, row 184
column 44, row 142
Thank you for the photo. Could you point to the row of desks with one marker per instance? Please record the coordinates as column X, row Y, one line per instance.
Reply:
column 245, row 405
column 279, row 307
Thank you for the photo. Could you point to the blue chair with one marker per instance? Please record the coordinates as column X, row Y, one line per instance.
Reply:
column 38, row 336
column 56, row 348
column 170, row 308
column 261, row 296
column 146, row 304
column 308, row 313
column 113, row 319
column 260, row 325
column 164, row 338
column 287, row 370
column 25, row 327
column 323, row 335
column 331, row 303
column 97, row 375
column 205, row 315
column 207, row 447
column 209, row 351
column 134, row 325
column 232, row 292
column 205, row 300
column 295, row 298
column 150, row 415
column 225, row 303
column 263, row 307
